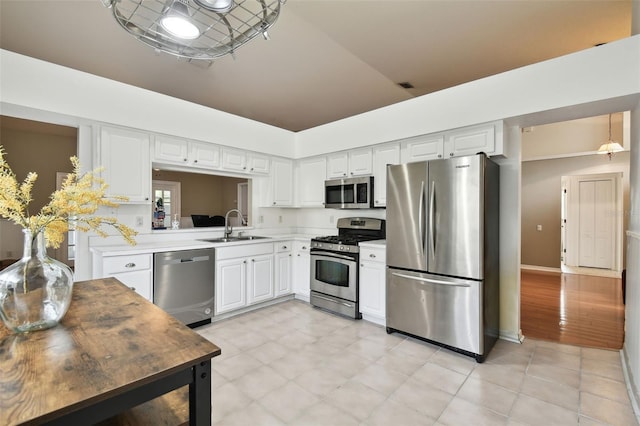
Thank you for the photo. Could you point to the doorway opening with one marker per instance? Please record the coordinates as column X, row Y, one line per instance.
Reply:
column 561, row 283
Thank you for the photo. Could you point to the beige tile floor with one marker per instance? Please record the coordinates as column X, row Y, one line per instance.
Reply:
column 291, row 364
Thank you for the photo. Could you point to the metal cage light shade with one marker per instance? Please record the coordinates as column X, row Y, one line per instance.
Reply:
column 222, row 25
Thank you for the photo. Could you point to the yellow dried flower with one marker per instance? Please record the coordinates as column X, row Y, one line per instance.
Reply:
column 76, row 201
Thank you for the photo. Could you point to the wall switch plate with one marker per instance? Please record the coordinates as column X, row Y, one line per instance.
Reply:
column 538, row 227
column 139, row 221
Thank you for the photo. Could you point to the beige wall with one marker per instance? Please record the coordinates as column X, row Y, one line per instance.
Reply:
column 203, row 194
column 38, row 147
column 541, row 201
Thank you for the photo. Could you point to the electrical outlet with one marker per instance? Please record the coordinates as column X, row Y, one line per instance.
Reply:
column 260, row 219
column 139, row 221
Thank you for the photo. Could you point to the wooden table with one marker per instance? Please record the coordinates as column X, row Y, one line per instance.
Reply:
column 111, row 353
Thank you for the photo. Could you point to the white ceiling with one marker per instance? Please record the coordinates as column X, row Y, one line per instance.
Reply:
column 326, row 60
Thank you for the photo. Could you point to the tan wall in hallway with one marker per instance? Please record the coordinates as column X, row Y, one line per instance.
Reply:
column 38, row 147
column 541, row 199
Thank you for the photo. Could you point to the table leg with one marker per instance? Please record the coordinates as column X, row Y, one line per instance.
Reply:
column 200, row 395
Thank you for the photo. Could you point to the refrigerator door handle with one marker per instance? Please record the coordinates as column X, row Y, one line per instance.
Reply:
column 429, row 280
column 421, row 217
column 432, row 220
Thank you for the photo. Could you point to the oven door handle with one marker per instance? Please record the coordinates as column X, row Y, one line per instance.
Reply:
column 348, row 305
column 331, row 254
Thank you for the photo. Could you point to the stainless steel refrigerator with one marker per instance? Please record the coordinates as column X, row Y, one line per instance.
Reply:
column 442, row 252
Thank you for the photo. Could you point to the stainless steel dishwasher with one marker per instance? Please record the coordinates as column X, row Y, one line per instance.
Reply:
column 183, row 284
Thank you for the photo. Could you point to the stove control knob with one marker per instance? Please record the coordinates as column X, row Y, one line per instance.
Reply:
column 341, row 248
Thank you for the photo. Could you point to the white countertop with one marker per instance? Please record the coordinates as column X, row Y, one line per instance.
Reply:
column 160, row 246
column 374, row 244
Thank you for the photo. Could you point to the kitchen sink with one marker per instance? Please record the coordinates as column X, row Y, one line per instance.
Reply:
column 233, row 239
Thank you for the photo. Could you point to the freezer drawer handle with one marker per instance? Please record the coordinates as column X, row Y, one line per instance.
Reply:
column 430, row 281
column 348, row 305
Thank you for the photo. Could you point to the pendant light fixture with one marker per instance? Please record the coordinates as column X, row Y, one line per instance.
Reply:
column 610, row 147
column 195, row 29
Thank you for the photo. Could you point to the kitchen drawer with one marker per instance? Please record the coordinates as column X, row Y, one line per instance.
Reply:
column 302, row 246
column 116, row 264
column 244, row 250
column 371, row 254
column 283, row 246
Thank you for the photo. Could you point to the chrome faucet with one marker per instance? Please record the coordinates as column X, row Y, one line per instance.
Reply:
column 228, row 229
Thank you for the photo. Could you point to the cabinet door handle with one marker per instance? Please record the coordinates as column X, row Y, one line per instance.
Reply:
column 451, row 154
column 130, row 265
column 284, row 247
column 253, row 260
column 362, row 264
column 304, row 247
column 133, row 288
column 195, row 161
column 184, row 159
column 372, row 255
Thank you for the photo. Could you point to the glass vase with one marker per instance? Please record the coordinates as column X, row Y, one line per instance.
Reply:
column 35, row 292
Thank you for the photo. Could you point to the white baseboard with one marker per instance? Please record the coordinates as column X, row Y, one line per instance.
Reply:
column 510, row 336
column 631, row 389
column 608, row 273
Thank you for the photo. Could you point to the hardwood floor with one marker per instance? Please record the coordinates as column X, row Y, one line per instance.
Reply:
column 572, row 309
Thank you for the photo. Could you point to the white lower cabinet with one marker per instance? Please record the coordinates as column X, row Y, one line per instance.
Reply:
column 284, row 268
column 244, row 276
column 301, row 269
column 373, row 283
column 134, row 271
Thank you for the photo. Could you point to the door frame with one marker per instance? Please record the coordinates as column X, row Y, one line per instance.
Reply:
column 570, row 230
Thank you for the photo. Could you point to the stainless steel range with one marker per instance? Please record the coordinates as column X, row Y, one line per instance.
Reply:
column 334, row 264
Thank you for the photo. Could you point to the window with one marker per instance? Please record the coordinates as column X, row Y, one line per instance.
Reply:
column 166, row 198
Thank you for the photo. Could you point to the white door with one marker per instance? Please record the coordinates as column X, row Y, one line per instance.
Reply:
column 595, row 245
column 592, row 220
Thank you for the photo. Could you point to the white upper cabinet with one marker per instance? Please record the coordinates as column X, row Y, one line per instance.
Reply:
column 360, row 162
column 311, row 174
column 234, row 160
column 383, row 155
column 182, row 152
column 125, row 156
column 204, row 154
column 337, row 165
column 471, row 140
column 356, row 162
column 258, row 163
column 422, row 148
column 281, row 183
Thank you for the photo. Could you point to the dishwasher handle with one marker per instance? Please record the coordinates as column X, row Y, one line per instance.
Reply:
column 187, row 260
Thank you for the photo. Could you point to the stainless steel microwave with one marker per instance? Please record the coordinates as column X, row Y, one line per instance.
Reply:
column 349, row 193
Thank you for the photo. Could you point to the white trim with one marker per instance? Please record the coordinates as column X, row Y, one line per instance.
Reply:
column 559, row 156
column 509, row 336
column 595, row 272
column 633, row 235
column 631, row 390
column 540, row 268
